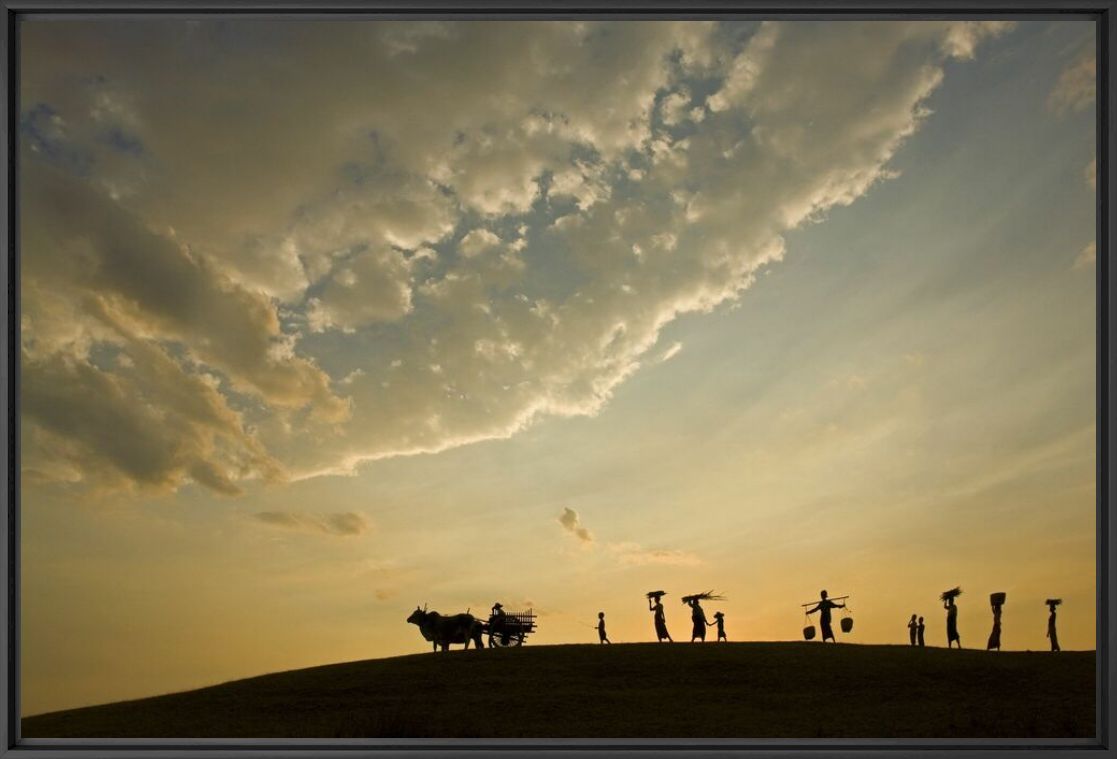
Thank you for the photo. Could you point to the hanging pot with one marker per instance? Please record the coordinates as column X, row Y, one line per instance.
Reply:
column 808, row 632
column 847, row 624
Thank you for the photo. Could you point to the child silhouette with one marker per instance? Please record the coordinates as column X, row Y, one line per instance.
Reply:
column 719, row 620
column 601, row 627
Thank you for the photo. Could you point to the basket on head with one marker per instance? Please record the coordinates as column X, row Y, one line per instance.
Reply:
column 808, row 632
column 996, row 599
column 1053, row 601
column 952, row 593
column 656, row 594
column 847, row 624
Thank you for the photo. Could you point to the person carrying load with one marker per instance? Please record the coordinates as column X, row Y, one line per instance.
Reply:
column 823, row 607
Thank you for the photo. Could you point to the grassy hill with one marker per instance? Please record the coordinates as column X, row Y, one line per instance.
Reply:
column 734, row 690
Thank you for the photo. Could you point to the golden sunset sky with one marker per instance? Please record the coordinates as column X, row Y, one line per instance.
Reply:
column 324, row 320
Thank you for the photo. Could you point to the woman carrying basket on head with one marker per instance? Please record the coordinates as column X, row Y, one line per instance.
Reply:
column 698, row 618
column 997, row 601
column 952, row 636
column 655, row 606
column 1052, row 633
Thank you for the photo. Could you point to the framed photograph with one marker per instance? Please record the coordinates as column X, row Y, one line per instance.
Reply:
column 388, row 378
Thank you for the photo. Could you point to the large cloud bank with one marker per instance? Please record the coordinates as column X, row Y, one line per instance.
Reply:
column 275, row 250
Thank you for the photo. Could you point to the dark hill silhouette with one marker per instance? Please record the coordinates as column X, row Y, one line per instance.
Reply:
column 654, row 690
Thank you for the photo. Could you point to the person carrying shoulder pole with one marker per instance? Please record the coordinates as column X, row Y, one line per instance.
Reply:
column 824, row 606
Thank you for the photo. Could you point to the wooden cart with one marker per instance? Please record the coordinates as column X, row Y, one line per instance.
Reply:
column 509, row 629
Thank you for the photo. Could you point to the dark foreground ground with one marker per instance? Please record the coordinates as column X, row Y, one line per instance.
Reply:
column 736, row 690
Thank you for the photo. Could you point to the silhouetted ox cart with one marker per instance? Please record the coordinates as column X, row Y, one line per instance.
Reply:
column 509, row 629
column 504, row 630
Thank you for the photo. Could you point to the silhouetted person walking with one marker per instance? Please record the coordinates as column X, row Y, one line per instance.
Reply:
column 601, row 627
column 1052, row 633
column 995, row 636
column 824, row 606
column 912, row 629
column 655, row 606
column 951, row 616
column 997, row 601
column 719, row 620
column 920, row 629
column 698, row 620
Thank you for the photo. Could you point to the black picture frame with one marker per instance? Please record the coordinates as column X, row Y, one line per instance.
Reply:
column 1103, row 13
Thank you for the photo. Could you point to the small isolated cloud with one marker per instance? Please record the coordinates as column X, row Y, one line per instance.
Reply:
column 1087, row 257
column 1077, row 86
column 1092, row 174
column 342, row 524
column 572, row 523
column 634, row 554
column 671, row 351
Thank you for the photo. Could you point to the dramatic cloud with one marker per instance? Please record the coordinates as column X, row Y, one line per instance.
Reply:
column 343, row 524
column 1077, row 86
column 374, row 286
column 572, row 523
column 148, row 423
column 384, row 239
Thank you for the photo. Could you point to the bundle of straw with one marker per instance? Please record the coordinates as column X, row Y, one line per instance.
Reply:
column 709, row 595
column 1053, row 601
column 952, row 593
column 657, row 594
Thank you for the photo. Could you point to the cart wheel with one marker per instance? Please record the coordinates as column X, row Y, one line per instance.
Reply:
column 509, row 640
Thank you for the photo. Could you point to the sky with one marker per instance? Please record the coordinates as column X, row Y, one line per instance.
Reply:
column 324, row 320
